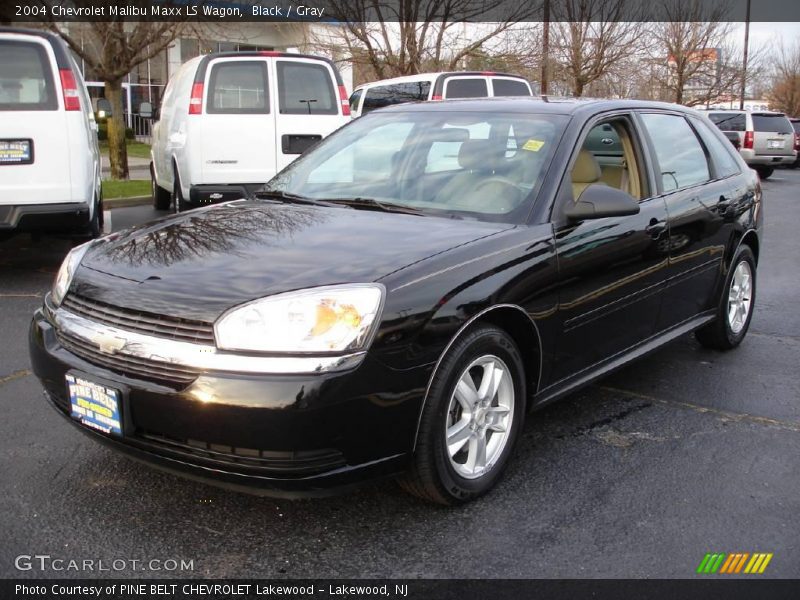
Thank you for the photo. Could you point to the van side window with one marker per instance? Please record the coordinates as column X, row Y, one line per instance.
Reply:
column 238, row 87
column 510, row 87
column 395, row 93
column 680, row 155
column 26, row 82
column 466, row 87
column 305, row 89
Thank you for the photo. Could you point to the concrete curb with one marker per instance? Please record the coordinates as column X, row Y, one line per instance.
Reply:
column 112, row 203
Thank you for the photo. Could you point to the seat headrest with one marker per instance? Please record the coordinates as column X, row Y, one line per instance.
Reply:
column 586, row 169
column 475, row 154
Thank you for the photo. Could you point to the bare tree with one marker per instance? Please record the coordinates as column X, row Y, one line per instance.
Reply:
column 784, row 93
column 592, row 37
column 405, row 37
column 112, row 49
column 693, row 43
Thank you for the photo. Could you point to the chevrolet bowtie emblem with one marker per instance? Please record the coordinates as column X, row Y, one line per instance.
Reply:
column 108, row 344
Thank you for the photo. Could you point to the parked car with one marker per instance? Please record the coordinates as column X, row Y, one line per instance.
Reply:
column 435, row 86
column 796, row 125
column 229, row 121
column 395, row 300
column 766, row 138
column 49, row 158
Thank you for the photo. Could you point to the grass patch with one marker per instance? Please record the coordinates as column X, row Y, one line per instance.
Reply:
column 135, row 149
column 113, row 188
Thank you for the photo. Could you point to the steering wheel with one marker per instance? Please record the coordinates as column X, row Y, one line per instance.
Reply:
column 508, row 198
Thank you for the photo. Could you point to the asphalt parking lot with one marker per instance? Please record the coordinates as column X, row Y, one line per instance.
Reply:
column 686, row 452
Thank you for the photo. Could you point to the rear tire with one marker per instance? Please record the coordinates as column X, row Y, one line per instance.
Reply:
column 730, row 327
column 765, row 172
column 94, row 228
column 161, row 197
column 179, row 205
column 457, row 457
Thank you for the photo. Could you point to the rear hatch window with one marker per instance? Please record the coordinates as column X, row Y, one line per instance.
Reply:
column 26, row 80
column 729, row 121
column 462, row 87
column 510, row 87
column 306, row 89
column 239, row 87
column 772, row 123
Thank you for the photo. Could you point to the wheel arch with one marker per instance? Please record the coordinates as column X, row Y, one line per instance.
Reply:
column 518, row 324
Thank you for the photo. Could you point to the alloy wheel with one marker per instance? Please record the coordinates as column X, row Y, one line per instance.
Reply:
column 740, row 296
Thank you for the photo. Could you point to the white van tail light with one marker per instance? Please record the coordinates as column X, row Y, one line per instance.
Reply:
column 196, row 100
column 344, row 100
column 72, row 99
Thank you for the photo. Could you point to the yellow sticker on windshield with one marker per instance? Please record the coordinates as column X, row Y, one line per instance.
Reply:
column 533, row 145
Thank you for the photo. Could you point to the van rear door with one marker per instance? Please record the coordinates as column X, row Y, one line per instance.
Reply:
column 34, row 138
column 236, row 129
column 773, row 134
column 309, row 105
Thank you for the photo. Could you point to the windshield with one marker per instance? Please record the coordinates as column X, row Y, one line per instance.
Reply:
column 485, row 166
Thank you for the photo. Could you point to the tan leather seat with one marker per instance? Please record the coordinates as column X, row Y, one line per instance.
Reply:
column 585, row 172
column 612, row 175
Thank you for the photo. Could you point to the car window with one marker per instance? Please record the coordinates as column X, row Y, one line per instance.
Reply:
column 680, row 155
column 26, row 81
column 796, row 125
column 721, row 151
column 355, row 97
column 443, row 155
column 466, row 87
column 386, row 157
column 729, row 121
column 772, row 123
column 305, row 88
column 510, row 87
column 238, row 87
column 396, row 93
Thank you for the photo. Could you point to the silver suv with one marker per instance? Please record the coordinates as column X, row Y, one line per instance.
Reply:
column 766, row 138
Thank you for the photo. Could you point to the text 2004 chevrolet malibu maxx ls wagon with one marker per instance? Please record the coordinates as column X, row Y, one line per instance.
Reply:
column 396, row 300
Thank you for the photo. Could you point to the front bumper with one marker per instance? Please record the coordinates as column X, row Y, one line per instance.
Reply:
column 56, row 217
column 292, row 435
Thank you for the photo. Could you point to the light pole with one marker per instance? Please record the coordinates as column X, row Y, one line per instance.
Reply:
column 744, row 60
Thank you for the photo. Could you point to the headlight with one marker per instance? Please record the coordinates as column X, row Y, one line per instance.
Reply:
column 67, row 270
column 325, row 319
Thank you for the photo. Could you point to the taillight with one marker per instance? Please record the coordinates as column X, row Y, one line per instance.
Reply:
column 344, row 100
column 436, row 97
column 488, row 73
column 72, row 100
column 748, row 140
column 270, row 53
column 196, row 99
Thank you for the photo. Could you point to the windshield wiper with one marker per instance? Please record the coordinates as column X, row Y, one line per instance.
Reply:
column 372, row 204
column 289, row 197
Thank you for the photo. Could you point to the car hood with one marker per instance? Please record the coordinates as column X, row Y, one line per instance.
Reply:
column 198, row 264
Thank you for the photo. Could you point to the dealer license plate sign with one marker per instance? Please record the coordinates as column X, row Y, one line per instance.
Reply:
column 15, row 152
column 95, row 405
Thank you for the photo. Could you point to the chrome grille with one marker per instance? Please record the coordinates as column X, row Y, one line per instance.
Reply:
column 131, row 366
column 174, row 328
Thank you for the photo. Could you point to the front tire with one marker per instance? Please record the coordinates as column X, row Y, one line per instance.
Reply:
column 735, row 310
column 471, row 421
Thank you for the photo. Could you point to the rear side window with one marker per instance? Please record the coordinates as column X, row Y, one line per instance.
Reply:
column 464, row 87
column 681, row 157
column 510, row 87
column 238, row 88
column 396, row 93
column 26, row 80
column 729, row 121
column 772, row 123
column 305, row 89
column 721, row 151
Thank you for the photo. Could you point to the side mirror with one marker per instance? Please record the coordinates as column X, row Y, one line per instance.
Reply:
column 600, row 201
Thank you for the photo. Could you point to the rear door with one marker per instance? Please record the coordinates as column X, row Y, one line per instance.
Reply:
column 308, row 105
column 34, row 141
column 773, row 134
column 237, row 132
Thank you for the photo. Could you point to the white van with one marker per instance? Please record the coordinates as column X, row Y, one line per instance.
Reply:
column 49, row 158
column 435, row 86
column 229, row 121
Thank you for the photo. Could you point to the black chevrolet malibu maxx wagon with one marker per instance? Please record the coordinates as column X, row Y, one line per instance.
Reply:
column 397, row 299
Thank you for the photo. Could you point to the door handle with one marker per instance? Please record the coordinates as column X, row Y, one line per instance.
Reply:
column 655, row 228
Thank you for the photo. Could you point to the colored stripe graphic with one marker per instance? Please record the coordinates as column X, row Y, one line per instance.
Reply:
column 734, row 563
